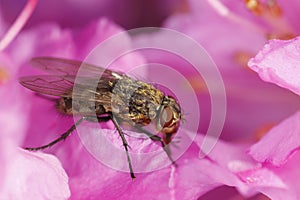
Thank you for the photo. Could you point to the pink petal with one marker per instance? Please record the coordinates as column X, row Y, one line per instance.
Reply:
column 212, row 36
column 290, row 175
column 13, row 120
column 267, row 182
column 23, row 173
column 191, row 179
column 103, row 49
column 250, row 177
column 232, row 160
column 279, row 144
column 276, row 182
column 237, row 79
column 291, row 13
column 34, row 176
column 261, row 177
column 279, row 62
column 47, row 39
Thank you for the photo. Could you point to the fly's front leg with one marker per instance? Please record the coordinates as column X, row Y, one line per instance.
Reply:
column 153, row 137
column 125, row 144
column 69, row 131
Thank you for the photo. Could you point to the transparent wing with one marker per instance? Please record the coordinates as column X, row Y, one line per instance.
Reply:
column 49, row 84
column 64, row 67
column 92, row 79
column 63, row 86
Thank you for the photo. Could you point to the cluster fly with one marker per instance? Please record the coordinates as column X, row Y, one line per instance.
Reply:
column 117, row 97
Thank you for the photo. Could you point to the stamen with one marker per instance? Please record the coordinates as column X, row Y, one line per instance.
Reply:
column 270, row 7
column 274, row 8
column 284, row 36
column 263, row 130
column 222, row 10
column 4, row 76
column 18, row 24
column 254, row 6
column 242, row 58
column 271, row 12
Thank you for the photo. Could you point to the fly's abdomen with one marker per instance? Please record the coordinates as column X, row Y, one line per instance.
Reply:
column 69, row 106
column 64, row 105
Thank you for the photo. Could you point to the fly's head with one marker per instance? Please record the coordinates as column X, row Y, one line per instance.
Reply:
column 169, row 117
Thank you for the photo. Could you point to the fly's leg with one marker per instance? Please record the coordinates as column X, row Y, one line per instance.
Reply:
column 69, row 131
column 125, row 144
column 168, row 152
column 165, row 147
column 98, row 119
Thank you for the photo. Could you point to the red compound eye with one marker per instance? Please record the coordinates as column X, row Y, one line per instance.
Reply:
column 166, row 117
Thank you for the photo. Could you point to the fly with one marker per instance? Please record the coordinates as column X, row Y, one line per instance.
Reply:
column 117, row 97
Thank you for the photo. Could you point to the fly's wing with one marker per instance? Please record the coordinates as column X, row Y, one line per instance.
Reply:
column 66, row 67
column 63, row 86
column 49, row 84
column 63, row 75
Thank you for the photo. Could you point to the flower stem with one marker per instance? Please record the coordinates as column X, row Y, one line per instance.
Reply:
column 18, row 24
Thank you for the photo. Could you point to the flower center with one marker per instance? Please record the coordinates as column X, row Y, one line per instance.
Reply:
column 271, row 12
column 4, row 76
column 271, row 7
column 242, row 58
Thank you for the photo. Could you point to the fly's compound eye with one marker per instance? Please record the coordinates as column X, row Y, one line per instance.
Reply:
column 166, row 117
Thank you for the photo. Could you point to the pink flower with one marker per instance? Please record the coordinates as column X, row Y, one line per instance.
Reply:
column 23, row 174
column 34, row 174
column 232, row 35
column 89, row 178
column 279, row 152
column 278, row 63
column 264, row 169
column 46, row 124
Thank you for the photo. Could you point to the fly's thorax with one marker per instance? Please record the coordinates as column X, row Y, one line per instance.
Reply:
column 135, row 101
